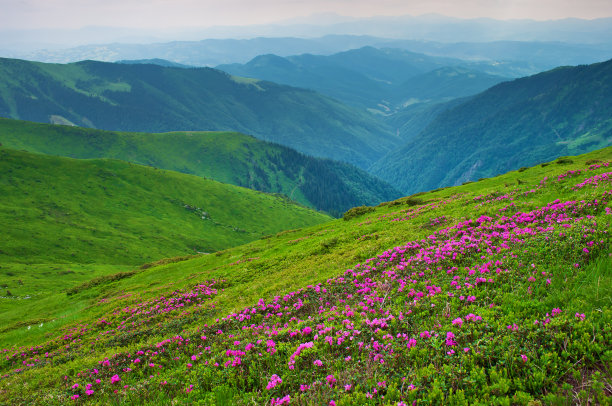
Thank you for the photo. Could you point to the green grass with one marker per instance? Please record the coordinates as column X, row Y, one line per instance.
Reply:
column 66, row 221
column 276, row 265
column 227, row 157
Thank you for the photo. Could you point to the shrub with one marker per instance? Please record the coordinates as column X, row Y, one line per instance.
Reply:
column 98, row 281
column 357, row 211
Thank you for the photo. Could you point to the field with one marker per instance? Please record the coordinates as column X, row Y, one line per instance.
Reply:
column 493, row 292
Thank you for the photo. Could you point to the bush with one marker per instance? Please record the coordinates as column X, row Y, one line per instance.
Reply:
column 98, row 281
column 357, row 211
column 563, row 160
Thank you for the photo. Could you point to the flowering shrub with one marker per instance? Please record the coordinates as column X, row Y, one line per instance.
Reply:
column 476, row 311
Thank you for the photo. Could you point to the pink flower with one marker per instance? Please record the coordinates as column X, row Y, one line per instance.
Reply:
column 580, row 316
column 89, row 392
column 115, row 379
column 347, row 387
column 458, row 322
column 330, row 380
column 524, row 357
column 318, row 362
column 137, row 360
column 274, row 381
column 74, row 397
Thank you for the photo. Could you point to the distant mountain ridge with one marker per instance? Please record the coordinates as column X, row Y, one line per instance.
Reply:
column 565, row 111
column 238, row 159
column 152, row 98
column 377, row 79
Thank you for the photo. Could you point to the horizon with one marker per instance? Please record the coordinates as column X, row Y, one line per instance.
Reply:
column 191, row 14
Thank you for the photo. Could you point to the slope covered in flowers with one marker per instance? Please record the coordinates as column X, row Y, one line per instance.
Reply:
column 490, row 293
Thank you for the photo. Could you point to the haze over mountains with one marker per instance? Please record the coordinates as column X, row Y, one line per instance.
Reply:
column 436, row 28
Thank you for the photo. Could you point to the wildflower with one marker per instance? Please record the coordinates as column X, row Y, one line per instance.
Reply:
column 318, row 362
column 74, row 397
column 274, row 381
column 524, row 357
column 457, row 322
column 347, row 387
column 330, row 380
column 580, row 316
column 189, row 389
column 115, row 378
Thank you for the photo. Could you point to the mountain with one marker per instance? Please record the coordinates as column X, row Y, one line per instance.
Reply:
column 444, row 84
column 154, row 61
column 494, row 292
column 62, row 210
column 206, row 52
column 239, row 159
column 370, row 77
column 152, row 98
column 519, row 123
column 320, row 35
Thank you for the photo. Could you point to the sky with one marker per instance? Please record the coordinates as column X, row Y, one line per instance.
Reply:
column 32, row 14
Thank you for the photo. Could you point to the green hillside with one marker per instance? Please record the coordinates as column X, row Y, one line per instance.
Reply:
column 76, row 219
column 494, row 292
column 114, row 212
column 564, row 111
column 242, row 160
column 152, row 98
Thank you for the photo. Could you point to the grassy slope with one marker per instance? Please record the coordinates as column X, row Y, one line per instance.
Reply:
column 565, row 111
column 66, row 221
column 491, row 371
column 156, row 99
column 226, row 157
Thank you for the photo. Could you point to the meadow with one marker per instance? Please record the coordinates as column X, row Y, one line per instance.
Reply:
column 493, row 292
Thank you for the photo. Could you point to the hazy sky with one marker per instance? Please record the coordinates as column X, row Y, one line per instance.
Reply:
column 203, row 13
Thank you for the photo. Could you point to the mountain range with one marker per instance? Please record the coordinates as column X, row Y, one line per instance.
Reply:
column 151, row 98
column 372, row 78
